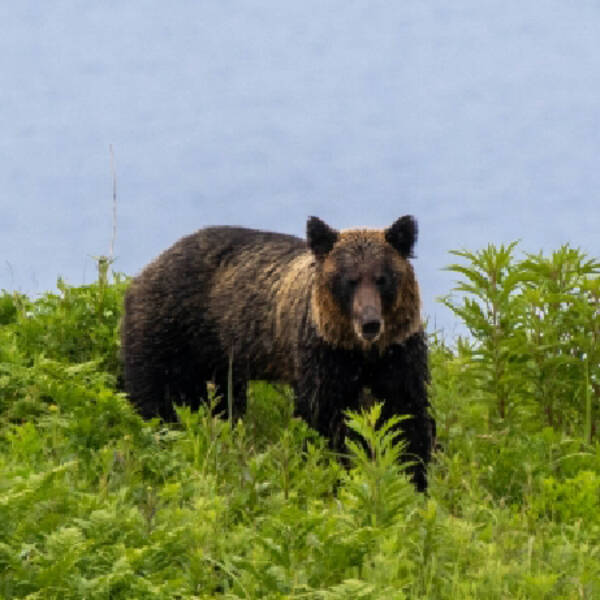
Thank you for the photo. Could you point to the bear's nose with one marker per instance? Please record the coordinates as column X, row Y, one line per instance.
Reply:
column 371, row 328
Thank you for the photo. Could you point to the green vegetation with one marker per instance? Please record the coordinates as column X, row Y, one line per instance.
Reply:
column 96, row 503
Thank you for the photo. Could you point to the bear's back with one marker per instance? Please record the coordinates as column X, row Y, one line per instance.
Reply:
column 213, row 247
column 213, row 273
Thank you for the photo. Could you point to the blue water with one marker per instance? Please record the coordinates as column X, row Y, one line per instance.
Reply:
column 482, row 119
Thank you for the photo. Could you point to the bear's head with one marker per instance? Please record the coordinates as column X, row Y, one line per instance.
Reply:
column 366, row 293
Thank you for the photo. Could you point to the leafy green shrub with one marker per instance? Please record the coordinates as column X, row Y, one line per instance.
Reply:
column 572, row 499
column 97, row 503
column 536, row 329
column 74, row 325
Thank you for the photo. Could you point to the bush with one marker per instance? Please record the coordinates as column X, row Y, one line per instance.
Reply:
column 96, row 503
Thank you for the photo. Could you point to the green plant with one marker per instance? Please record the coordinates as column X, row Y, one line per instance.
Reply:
column 488, row 309
column 535, row 325
column 97, row 503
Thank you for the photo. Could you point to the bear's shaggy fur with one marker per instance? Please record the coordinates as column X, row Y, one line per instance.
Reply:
column 330, row 316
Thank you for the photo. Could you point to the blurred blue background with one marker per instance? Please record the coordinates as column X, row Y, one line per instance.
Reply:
column 481, row 119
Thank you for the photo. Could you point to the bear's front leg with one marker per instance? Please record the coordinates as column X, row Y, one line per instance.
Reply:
column 328, row 383
column 400, row 379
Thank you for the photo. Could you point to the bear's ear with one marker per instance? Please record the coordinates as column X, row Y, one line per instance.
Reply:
column 402, row 235
column 320, row 237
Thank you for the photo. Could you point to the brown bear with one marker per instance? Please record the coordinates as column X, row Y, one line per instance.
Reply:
column 331, row 316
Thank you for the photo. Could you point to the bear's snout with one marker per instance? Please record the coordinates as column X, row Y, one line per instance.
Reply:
column 368, row 321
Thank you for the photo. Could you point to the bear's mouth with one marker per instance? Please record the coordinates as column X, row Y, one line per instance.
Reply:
column 368, row 329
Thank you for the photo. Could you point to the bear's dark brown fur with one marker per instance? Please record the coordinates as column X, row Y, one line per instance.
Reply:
column 330, row 317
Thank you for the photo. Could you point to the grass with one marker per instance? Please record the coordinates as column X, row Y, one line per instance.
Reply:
column 97, row 503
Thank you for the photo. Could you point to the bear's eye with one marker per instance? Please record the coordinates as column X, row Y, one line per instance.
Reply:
column 352, row 282
column 381, row 281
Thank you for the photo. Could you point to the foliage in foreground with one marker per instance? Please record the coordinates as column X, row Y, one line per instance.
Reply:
column 96, row 503
column 535, row 326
